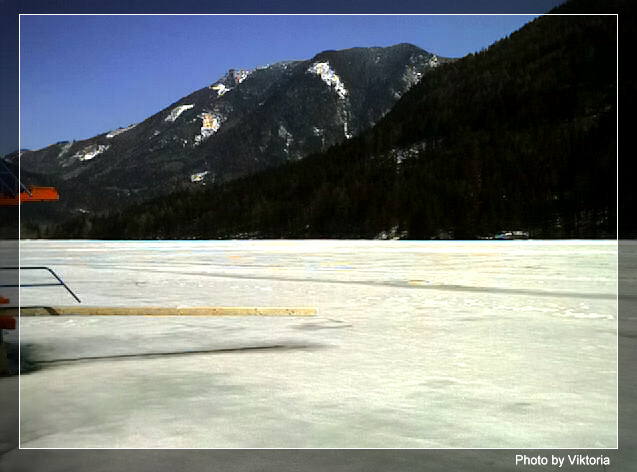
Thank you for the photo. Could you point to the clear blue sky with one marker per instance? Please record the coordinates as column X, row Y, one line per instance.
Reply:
column 83, row 75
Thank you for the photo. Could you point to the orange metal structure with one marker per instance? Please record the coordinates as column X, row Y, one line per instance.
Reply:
column 31, row 194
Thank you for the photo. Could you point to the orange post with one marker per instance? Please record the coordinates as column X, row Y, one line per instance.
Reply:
column 6, row 322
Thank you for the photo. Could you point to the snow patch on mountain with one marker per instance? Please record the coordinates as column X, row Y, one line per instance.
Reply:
column 327, row 74
column 232, row 78
column 413, row 74
column 240, row 75
column 344, row 116
column 221, row 89
column 399, row 155
column 175, row 112
column 64, row 148
column 198, row 176
column 91, row 151
column 114, row 133
column 209, row 126
column 287, row 136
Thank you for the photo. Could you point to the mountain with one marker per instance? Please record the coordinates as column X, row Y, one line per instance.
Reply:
column 245, row 122
column 521, row 136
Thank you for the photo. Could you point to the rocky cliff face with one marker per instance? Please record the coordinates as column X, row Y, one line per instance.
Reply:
column 246, row 121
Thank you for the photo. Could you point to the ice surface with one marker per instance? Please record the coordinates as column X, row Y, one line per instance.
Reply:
column 416, row 344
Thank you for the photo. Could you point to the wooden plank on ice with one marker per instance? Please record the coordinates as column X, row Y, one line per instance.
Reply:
column 167, row 311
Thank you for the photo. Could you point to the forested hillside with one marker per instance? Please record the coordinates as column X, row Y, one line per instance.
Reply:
column 522, row 135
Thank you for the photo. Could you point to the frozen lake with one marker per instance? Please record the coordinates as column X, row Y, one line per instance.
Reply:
column 509, row 344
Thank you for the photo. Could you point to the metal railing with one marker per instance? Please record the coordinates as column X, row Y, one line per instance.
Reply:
column 51, row 284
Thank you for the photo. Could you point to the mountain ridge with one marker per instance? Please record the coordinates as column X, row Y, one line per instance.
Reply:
column 242, row 123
